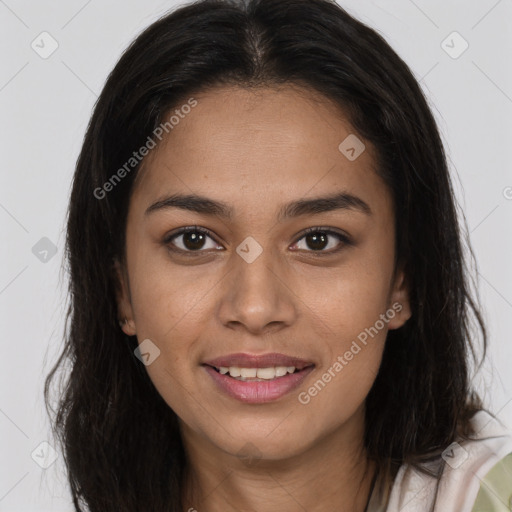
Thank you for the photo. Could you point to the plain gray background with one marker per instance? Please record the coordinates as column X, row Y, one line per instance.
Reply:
column 45, row 107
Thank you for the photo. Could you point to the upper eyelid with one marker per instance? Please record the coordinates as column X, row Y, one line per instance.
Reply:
column 344, row 238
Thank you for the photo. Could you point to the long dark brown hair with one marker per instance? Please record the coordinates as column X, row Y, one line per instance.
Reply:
column 120, row 440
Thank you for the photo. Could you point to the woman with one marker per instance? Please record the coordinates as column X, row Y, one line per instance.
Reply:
column 269, row 304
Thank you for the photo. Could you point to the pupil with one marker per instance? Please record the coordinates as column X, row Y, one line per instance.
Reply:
column 315, row 238
column 193, row 240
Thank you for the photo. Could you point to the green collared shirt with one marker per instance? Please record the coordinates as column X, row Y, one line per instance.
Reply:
column 495, row 494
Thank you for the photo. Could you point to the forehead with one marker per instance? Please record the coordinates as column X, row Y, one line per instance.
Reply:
column 264, row 144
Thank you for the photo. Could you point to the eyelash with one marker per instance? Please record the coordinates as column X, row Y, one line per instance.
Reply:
column 344, row 239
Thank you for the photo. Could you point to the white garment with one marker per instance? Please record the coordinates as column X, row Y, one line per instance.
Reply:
column 467, row 463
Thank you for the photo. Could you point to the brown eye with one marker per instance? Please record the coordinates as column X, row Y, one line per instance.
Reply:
column 191, row 239
column 319, row 239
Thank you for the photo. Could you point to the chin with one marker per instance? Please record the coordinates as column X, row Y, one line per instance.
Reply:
column 264, row 445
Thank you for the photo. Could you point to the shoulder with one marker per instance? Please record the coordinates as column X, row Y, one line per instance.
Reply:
column 477, row 475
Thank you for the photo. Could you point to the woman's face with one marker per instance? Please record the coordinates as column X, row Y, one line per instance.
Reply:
column 257, row 284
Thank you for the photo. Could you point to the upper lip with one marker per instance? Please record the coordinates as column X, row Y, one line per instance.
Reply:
column 243, row 360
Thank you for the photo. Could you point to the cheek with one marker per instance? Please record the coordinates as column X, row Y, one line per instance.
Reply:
column 352, row 333
column 169, row 310
column 168, row 298
column 343, row 382
column 350, row 299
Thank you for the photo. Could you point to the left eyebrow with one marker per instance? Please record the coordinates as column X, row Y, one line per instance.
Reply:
column 206, row 206
column 316, row 205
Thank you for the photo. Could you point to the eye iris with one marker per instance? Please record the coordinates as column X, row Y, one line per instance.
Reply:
column 315, row 238
column 193, row 240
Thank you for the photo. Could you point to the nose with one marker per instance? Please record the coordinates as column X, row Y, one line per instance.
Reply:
column 256, row 296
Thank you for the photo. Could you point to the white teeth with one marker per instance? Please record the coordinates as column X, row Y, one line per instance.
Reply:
column 266, row 373
column 248, row 372
column 281, row 370
column 256, row 373
column 234, row 371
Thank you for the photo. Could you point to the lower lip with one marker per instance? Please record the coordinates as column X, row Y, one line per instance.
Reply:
column 258, row 392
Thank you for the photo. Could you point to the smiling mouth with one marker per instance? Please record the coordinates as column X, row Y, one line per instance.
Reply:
column 257, row 374
column 258, row 384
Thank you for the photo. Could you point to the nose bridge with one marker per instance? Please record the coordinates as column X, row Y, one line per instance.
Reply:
column 254, row 278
